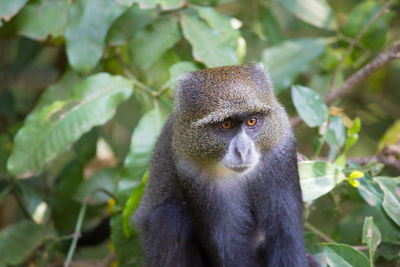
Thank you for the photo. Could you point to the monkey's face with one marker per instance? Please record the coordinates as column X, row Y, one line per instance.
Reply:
column 239, row 134
column 232, row 145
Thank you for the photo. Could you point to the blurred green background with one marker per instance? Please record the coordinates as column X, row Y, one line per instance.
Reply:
column 86, row 85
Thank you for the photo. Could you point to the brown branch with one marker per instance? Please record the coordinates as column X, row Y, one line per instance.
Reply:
column 355, row 41
column 377, row 63
column 392, row 53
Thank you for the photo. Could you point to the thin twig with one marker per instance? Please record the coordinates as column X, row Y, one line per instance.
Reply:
column 315, row 230
column 21, row 205
column 132, row 77
column 355, row 41
column 77, row 233
column 79, row 222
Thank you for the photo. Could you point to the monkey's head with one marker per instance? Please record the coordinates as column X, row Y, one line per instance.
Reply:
column 226, row 118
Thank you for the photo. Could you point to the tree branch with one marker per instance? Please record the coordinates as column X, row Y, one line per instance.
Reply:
column 355, row 41
column 379, row 61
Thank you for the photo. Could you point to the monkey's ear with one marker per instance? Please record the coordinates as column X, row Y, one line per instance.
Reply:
column 260, row 70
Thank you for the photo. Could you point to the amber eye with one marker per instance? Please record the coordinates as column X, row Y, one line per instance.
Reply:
column 226, row 125
column 252, row 121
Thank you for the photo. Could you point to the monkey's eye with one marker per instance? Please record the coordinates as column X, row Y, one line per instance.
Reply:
column 226, row 125
column 252, row 121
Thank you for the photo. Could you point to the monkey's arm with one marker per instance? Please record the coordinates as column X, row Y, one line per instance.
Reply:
column 168, row 238
column 164, row 224
column 280, row 209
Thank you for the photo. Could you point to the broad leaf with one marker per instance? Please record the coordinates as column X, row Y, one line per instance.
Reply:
column 178, row 69
column 209, row 45
column 60, row 90
column 149, row 44
column 9, row 8
column 56, row 126
column 133, row 20
column 131, row 205
column 309, row 105
column 370, row 191
column 19, row 241
column 341, row 255
column 143, row 139
column 88, row 23
column 145, row 4
column 220, row 23
column 43, row 18
column 270, row 26
column 375, row 36
column 391, row 197
column 288, row 60
column 391, row 136
column 318, row 178
column 314, row 12
column 371, row 236
column 335, row 135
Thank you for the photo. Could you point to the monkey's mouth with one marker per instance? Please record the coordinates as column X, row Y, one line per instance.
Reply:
column 239, row 168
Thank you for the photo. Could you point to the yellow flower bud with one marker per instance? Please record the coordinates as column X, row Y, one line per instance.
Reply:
column 110, row 205
column 354, row 183
column 355, row 175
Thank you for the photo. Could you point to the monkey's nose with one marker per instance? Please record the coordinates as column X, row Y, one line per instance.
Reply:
column 243, row 153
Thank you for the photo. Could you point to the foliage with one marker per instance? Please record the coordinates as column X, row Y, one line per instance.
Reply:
column 87, row 86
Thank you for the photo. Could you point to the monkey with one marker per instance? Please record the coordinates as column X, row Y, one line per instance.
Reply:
column 223, row 187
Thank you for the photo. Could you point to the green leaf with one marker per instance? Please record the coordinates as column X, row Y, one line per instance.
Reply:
column 309, row 105
column 315, row 12
column 5, row 151
column 391, row 197
column 370, row 192
column 133, row 20
column 270, row 26
column 209, row 45
column 61, row 90
column 145, row 4
column 352, row 134
column 335, row 135
column 371, row 236
column 391, row 136
column 131, row 206
column 43, row 18
column 178, row 69
column 9, row 8
column 58, row 125
column 88, row 23
column 220, row 23
column 341, row 255
column 318, row 178
column 128, row 250
column 375, row 36
column 102, row 180
column 20, row 240
column 149, row 44
column 288, row 60
column 143, row 140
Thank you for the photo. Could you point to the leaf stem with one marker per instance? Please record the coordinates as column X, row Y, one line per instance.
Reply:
column 315, row 230
column 77, row 232
column 21, row 203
